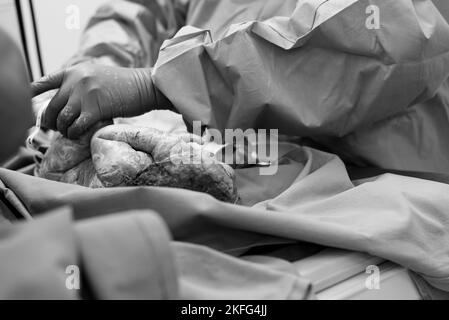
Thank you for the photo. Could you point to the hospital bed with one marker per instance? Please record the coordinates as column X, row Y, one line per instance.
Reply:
column 342, row 275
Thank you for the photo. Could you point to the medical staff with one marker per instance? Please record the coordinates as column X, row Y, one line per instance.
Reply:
column 15, row 107
column 366, row 80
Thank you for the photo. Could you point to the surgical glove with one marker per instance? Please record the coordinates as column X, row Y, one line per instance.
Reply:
column 89, row 93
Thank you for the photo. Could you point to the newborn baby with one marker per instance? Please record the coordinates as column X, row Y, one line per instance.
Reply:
column 128, row 155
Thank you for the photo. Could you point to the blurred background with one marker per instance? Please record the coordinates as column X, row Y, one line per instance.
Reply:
column 46, row 21
column 37, row 24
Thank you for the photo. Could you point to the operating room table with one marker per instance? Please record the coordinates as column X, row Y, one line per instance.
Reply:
column 342, row 275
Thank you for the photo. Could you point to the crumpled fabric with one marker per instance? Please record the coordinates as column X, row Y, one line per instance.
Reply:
column 123, row 257
column 316, row 71
column 128, row 255
column 309, row 68
column 397, row 218
column 35, row 256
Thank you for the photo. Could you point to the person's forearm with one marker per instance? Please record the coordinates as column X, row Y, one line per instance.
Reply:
column 127, row 33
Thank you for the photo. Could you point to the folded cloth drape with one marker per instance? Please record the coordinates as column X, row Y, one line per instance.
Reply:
column 123, row 257
column 128, row 256
column 311, row 198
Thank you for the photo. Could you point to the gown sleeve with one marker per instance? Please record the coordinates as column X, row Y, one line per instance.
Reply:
column 326, row 69
column 129, row 33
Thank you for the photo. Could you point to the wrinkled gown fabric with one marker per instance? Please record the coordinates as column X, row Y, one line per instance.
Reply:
column 310, row 68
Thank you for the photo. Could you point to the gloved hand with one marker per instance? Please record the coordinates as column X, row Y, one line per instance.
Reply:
column 89, row 93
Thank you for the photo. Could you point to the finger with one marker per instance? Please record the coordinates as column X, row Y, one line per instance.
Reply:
column 47, row 83
column 67, row 116
column 53, row 109
column 90, row 113
column 80, row 126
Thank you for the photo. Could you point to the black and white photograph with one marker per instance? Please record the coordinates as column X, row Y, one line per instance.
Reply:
column 222, row 154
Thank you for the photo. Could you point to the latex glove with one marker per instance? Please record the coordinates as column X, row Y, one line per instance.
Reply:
column 89, row 93
column 44, row 99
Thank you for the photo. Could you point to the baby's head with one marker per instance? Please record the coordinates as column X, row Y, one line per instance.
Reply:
column 128, row 155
